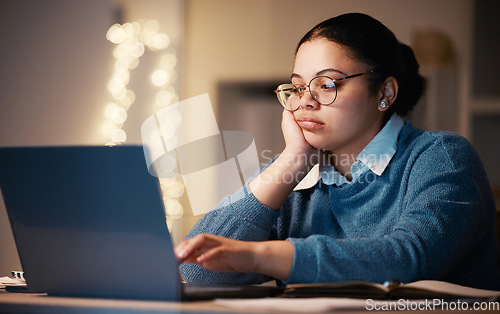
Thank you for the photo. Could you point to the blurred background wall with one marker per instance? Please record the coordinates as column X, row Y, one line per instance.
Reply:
column 55, row 64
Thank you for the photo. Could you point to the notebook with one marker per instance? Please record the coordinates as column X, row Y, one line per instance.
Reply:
column 89, row 221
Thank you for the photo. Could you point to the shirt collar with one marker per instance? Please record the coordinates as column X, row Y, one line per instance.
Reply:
column 375, row 157
column 379, row 152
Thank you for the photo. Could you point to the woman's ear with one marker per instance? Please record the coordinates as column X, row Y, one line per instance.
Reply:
column 389, row 93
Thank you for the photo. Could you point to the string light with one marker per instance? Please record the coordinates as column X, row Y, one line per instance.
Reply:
column 131, row 41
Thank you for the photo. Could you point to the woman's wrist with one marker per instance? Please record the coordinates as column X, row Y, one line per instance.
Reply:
column 302, row 158
column 292, row 163
column 274, row 258
column 277, row 181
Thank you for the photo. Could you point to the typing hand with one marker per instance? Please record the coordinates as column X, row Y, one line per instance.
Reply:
column 272, row 258
column 218, row 253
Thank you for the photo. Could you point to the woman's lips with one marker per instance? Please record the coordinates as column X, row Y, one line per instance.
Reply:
column 309, row 123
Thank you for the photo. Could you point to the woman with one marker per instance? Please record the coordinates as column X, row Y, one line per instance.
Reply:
column 388, row 202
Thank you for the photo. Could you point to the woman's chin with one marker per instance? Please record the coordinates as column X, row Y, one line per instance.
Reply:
column 315, row 142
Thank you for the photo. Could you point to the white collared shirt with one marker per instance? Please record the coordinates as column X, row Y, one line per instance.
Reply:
column 374, row 157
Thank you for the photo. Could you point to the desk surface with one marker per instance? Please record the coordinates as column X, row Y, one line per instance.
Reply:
column 41, row 303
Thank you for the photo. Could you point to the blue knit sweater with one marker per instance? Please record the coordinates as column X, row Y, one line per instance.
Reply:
column 430, row 215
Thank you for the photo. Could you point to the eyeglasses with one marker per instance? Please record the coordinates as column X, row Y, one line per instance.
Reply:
column 322, row 88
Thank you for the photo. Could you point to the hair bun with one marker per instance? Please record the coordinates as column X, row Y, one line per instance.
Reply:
column 413, row 81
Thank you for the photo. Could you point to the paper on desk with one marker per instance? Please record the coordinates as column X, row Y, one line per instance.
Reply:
column 317, row 305
column 7, row 281
column 308, row 305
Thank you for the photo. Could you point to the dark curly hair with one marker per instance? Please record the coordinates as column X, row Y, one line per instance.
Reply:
column 373, row 44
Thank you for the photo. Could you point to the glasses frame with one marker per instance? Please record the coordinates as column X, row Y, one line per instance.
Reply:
column 292, row 86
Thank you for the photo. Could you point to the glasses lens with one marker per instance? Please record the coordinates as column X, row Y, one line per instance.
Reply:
column 323, row 90
column 288, row 96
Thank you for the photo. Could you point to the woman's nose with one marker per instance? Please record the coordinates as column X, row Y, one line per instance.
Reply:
column 307, row 101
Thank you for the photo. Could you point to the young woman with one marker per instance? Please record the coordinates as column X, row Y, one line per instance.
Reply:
column 386, row 200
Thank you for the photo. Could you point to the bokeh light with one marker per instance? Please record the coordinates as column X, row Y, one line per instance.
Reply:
column 131, row 41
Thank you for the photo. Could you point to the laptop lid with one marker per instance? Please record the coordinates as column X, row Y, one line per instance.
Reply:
column 89, row 221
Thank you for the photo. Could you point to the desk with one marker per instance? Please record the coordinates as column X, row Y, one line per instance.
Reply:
column 41, row 303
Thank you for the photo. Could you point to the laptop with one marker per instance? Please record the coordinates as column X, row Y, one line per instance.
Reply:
column 89, row 221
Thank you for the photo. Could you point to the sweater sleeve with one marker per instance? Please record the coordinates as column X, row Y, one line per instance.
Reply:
column 445, row 217
column 239, row 216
